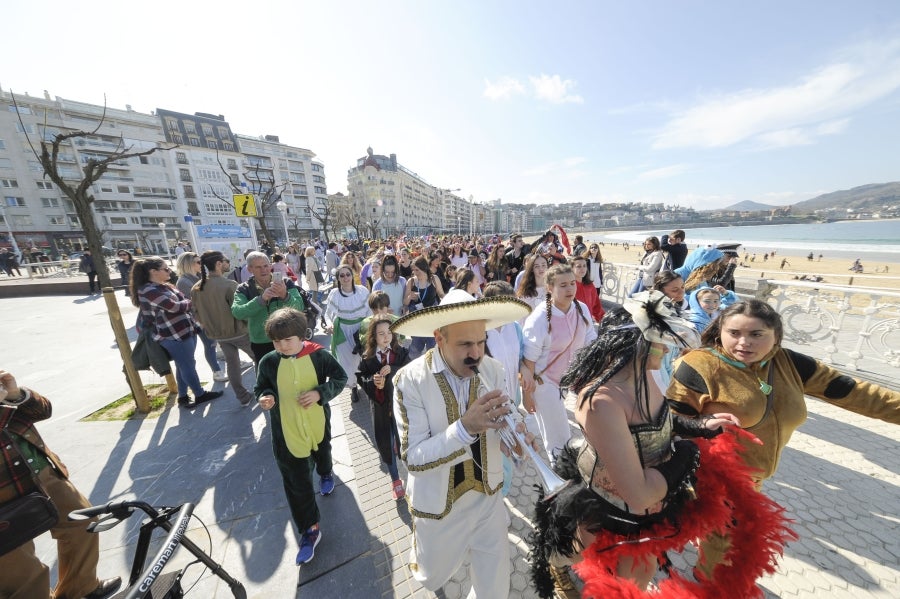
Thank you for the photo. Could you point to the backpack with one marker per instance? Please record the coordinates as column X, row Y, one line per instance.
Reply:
column 667, row 265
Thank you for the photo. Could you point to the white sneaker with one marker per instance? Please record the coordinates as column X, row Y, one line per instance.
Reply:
column 220, row 376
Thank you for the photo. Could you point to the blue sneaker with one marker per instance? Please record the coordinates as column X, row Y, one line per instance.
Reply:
column 326, row 484
column 308, row 542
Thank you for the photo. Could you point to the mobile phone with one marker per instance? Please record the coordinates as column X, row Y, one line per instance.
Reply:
column 278, row 276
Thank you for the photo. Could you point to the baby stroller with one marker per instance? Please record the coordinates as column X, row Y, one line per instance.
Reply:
column 312, row 313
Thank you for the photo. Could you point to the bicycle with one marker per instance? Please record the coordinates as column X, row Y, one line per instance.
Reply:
column 150, row 582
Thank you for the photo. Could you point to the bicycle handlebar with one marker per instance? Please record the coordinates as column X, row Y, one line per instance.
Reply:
column 121, row 509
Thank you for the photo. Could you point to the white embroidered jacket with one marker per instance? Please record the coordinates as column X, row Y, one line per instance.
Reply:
column 426, row 410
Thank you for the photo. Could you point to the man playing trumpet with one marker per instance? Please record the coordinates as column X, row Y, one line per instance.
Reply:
column 450, row 443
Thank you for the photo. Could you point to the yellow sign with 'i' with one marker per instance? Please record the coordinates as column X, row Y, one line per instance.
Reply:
column 244, row 204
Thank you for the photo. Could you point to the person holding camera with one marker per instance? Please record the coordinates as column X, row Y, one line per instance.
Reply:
column 260, row 295
column 22, row 574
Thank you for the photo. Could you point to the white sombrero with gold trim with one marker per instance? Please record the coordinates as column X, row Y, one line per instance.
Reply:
column 458, row 306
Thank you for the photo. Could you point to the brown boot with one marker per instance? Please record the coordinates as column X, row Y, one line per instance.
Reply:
column 563, row 587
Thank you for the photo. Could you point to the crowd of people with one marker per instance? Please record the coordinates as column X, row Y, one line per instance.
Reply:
column 449, row 340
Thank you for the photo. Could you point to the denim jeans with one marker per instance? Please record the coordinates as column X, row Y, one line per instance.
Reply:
column 182, row 352
column 209, row 352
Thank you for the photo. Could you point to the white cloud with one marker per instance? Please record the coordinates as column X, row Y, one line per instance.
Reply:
column 818, row 104
column 554, row 89
column 503, row 89
column 664, row 172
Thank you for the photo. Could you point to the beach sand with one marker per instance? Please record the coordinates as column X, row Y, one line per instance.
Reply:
column 833, row 271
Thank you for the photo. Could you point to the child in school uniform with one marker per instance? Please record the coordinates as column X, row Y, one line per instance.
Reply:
column 298, row 379
column 382, row 357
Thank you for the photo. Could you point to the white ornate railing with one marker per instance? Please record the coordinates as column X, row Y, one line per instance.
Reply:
column 853, row 328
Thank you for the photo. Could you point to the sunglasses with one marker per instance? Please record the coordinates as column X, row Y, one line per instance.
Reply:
column 344, row 275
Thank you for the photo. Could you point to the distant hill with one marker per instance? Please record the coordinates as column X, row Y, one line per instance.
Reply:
column 865, row 198
column 749, row 206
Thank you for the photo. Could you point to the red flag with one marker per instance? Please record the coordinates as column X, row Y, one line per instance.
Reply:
column 563, row 237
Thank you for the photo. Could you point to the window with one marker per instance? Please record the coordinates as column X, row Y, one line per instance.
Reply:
column 317, row 168
column 50, row 202
column 185, row 174
column 144, row 160
column 118, row 220
column 189, row 127
column 177, row 138
column 207, row 130
column 320, row 190
column 74, row 222
column 22, row 109
column 123, row 189
column 195, row 141
column 218, row 208
column 181, row 158
column 228, row 146
column 44, row 185
column 232, row 164
column 29, row 128
column 56, row 220
column 2, row 145
column 5, row 163
column 189, row 191
column 15, row 202
column 212, row 144
column 318, row 179
column 9, row 183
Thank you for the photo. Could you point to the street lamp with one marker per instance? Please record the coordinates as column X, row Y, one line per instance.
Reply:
column 165, row 242
column 458, row 225
column 282, row 207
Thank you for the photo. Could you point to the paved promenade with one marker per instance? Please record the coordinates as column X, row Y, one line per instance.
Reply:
column 839, row 479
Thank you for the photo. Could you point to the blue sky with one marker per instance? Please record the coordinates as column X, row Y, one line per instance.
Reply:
column 692, row 103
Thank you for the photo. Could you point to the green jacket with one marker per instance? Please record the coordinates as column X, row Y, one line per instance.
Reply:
column 330, row 374
column 248, row 305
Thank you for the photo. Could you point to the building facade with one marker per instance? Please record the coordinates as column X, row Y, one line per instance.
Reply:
column 145, row 202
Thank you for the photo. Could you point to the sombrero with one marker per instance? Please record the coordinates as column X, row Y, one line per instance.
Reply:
column 458, row 306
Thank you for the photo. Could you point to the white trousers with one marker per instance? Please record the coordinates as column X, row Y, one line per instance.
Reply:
column 552, row 418
column 475, row 529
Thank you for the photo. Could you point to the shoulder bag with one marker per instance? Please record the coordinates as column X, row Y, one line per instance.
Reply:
column 25, row 517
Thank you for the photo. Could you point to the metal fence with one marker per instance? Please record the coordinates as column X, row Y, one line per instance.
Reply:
column 856, row 329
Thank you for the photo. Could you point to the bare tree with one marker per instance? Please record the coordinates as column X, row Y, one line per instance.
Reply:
column 262, row 185
column 79, row 191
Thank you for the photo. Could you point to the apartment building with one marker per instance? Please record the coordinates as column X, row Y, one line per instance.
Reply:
column 144, row 202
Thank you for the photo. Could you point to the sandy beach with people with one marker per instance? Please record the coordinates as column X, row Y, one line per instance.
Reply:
column 833, row 271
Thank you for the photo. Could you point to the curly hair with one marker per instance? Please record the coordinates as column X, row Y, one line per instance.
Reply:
column 619, row 345
column 701, row 275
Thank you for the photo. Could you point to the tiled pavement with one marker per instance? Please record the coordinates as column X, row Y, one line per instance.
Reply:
column 839, row 479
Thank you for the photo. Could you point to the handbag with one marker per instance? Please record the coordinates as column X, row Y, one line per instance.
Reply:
column 317, row 275
column 25, row 517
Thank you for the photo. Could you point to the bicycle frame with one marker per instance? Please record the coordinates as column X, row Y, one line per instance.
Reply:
column 142, row 579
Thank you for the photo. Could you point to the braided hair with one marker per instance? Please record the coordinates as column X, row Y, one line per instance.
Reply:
column 552, row 273
column 208, row 260
column 620, row 344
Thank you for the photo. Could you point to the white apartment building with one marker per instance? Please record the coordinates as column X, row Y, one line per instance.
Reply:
column 135, row 196
column 390, row 199
column 131, row 199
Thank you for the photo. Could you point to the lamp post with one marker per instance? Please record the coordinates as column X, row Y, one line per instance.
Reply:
column 458, row 225
column 165, row 242
column 282, row 207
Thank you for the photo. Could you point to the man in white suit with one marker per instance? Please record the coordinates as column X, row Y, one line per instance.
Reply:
column 449, row 404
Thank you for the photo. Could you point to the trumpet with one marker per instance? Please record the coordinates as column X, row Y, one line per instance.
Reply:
column 519, row 449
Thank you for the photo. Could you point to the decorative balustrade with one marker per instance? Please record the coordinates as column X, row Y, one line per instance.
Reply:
column 853, row 328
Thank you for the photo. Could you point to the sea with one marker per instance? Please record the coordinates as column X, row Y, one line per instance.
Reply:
column 874, row 241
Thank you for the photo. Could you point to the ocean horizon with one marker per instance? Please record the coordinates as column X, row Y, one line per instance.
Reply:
column 870, row 240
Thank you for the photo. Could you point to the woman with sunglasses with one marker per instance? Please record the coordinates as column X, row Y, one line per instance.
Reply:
column 123, row 264
column 347, row 306
column 166, row 313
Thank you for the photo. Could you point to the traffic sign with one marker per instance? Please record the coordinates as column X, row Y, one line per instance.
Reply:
column 244, row 204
